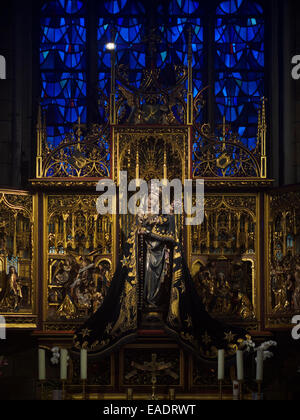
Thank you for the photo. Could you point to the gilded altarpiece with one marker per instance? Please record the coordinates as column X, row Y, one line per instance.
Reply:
column 78, row 259
column 283, row 257
column 151, row 133
column 18, row 252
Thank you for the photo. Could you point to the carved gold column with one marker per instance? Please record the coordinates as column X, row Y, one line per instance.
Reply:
column 190, row 97
column 165, row 162
column 137, row 164
column 113, row 117
column 95, row 233
column 87, row 243
column 238, row 232
column 263, row 136
column 39, row 133
column 246, row 234
column 15, row 235
column 65, row 218
column 73, row 232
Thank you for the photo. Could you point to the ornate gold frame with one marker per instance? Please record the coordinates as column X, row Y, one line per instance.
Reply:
column 282, row 320
column 66, row 325
column 256, row 272
column 25, row 320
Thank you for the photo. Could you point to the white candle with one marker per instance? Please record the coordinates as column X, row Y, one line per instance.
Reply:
column 83, row 364
column 221, row 358
column 63, row 364
column 240, row 365
column 260, row 365
column 42, row 365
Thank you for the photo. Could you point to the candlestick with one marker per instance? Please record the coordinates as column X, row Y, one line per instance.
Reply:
column 83, row 389
column 42, row 365
column 83, row 364
column 221, row 357
column 240, row 365
column 260, row 366
column 43, row 393
column 241, row 389
column 63, row 364
column 63, row 396
column 220, row 390
column 259, row 385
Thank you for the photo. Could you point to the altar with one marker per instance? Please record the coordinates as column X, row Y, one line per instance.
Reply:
column 64, row 252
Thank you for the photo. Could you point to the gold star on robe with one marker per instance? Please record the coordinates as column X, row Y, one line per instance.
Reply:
column 229, row 337
column 206, row 338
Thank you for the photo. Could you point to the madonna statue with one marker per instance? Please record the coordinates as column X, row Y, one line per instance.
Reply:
column 153, row 289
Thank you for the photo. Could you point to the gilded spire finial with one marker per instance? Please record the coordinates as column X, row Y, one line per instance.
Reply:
column 190, row 98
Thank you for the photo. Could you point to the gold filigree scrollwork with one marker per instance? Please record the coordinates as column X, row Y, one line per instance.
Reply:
column 226, row 156
column 224, row 257
column 82, row 153
column 79, row 255
column 16, row 257
column 152, row 102
column 218, row 157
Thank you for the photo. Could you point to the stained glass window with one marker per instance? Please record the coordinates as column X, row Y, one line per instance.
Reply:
column 236, row 46
column 180, row 22
column 63, row 66
column 123, row 22
column 239, row 66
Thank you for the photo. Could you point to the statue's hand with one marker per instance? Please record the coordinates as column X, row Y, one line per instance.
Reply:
column 142, row 230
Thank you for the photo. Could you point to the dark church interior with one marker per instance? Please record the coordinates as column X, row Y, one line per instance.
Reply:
column 104, row 307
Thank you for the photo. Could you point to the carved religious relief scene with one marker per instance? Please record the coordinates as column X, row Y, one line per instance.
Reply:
column 224, row 257
column 284, row 257
column 79, row 255
column 17, row 285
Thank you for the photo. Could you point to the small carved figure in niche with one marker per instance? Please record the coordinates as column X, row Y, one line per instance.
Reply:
column 245, row 308
column 13, row 292
column 80, row 289
column 283, row 286
column 62, row 276
column 223, row 301
column 208, row 288
column 241, row 302
column 205, row 282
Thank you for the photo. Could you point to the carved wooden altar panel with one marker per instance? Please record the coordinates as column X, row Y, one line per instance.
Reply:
column 282, row 268
column 18, row 253
column 225, row 258
column 78, row 259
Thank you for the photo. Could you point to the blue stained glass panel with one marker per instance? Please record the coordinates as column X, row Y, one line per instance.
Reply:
column 239, row 65
column 127, row 32
column 63, row 66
